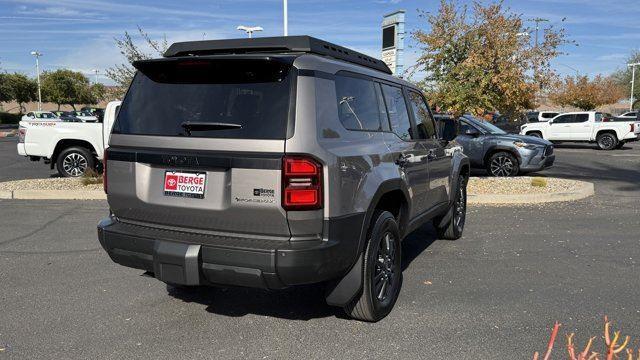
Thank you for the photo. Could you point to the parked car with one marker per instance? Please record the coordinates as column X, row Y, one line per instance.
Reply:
column 630, row 115
column 72, row 147
column 310, row 167
column 85, row 116
column 502, row 154
column 42, row 115
column 69, row 116
column 585, row 126
column 541, row 116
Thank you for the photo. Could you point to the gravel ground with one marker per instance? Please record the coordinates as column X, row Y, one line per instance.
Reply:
column 48, row 184
column 518, row 185
column 477, row 186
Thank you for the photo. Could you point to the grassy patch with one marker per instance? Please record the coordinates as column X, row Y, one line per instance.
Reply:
column 539, row 182
column 91, row 177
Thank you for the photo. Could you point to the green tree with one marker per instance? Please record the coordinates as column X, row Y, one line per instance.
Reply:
column 22, row 89
column 476, row 59
column 122, row 74
column 585, row 94
column 68, row 87
column 623, row 78
column 6, row 94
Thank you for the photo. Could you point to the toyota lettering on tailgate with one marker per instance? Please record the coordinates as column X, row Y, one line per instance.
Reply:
column 185, row 184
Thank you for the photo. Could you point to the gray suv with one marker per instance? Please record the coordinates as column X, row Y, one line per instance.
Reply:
column 274, row 162
column 501, row 153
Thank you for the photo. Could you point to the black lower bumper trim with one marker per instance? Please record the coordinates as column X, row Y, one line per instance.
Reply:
column 196, row 259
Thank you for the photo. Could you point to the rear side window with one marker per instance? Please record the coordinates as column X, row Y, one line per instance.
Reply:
column 424, row 122
column 398, row 114
column 358, row 107
column 549, row 115
column 581, row 118
column 564, row 119
column 239, row 98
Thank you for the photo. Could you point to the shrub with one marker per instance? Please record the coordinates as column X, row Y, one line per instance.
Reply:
column 8, row 118
column 91, row 177
column 539, row 182
column 614, row 345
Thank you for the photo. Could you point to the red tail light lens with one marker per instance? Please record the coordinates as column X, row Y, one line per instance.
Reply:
column 633, row 127
column 301, row 183
column 22, row 133
column 104, row 171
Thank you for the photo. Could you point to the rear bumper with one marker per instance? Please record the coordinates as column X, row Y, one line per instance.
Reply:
column 21, row 150
column 200, row 259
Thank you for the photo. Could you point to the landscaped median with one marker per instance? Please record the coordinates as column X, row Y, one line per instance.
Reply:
column 517, row 190
column 526, row 190
column 53, row 189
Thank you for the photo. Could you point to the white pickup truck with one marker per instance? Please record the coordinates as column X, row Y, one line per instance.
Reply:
column 72, row 147
column 588, row 126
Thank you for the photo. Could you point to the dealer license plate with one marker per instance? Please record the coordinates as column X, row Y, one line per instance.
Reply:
column 185, row 184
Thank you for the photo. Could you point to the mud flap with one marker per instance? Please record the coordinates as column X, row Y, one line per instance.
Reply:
column 176, row 263
column 348, row 287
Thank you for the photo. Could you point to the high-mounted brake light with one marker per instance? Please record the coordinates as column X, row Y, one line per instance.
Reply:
column 104, row 171
column 301, row 183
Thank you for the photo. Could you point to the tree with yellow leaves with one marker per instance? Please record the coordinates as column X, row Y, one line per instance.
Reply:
column 587, row 94
column 482, row 59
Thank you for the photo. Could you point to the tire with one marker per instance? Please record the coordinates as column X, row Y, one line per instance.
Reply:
column 535, row 134
column 453, row 229
column 607, row 141
column 382, row 271
column 74, row 162
column 503, row 164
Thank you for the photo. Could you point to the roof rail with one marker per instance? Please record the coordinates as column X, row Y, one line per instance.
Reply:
column 306, row 44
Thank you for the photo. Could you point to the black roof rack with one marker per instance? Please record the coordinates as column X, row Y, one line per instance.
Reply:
column 275, row 44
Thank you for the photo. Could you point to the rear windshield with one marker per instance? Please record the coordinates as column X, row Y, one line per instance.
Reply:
column 165, row 97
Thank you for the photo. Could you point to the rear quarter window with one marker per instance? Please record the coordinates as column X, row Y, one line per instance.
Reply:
column 358, row 107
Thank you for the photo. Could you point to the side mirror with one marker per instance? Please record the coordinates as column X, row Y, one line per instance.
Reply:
column 470, row 131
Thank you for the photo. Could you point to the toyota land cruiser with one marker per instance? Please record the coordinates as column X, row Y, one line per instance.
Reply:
column 274, row 162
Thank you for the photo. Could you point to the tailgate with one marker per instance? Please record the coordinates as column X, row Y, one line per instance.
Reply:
column 235, row 191
column 198, row 144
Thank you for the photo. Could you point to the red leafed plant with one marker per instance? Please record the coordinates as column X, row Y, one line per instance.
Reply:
column 612, row 350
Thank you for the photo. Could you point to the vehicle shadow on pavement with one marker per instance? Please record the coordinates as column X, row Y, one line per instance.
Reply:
column 296, row 303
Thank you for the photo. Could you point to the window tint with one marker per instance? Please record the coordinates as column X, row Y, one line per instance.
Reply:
column 357, row 103
column 398, row 114
column 165, row 95
column 549, row 115
column 424, row 121
column 581, row 118
column 564, row 119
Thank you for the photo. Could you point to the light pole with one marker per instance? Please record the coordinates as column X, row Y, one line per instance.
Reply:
column 96, row 71
column 286, row 18
column 538, row 21
column 633, row 82
column 249, row 29
column 37, row 55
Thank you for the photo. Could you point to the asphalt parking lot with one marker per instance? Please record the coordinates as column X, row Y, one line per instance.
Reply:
column 494, row 294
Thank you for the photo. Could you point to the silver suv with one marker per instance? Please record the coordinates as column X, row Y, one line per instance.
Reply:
column 274, row 162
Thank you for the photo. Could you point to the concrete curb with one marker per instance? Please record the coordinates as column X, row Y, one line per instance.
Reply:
column 53, row 195
column 584, row 190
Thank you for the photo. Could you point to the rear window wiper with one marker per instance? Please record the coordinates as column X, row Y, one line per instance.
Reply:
column 190, row 126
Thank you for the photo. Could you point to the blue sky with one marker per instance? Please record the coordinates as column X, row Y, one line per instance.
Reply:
column 78, row 34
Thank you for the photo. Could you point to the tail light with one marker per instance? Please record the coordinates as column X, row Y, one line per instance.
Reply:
column 301, row 183
column 632, row 127
column 22, row 133
column 104, row 171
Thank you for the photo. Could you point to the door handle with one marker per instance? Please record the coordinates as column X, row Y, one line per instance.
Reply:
column 403, row 159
